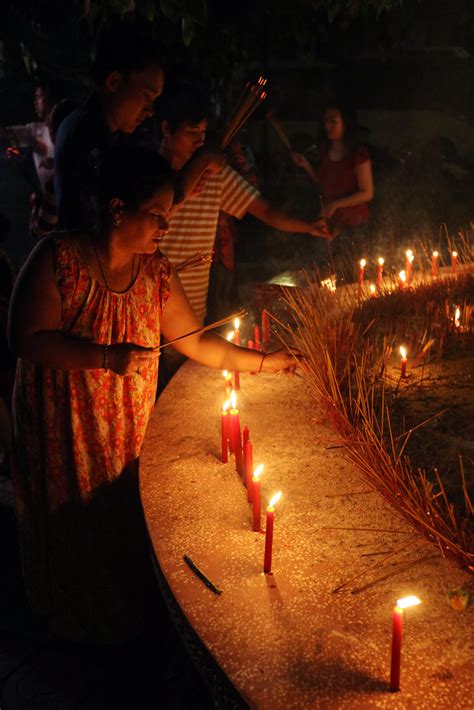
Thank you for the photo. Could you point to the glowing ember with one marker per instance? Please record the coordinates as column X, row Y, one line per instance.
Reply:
column 275, row 499
column 407, row 602
column 258, row 471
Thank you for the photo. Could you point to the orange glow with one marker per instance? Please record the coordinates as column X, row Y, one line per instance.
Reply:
column 233, row 399
column 406, row 602
column 403, row 352
column 275, row 499
column 258, row 472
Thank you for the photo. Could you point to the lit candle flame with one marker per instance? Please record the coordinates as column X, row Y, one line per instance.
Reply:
column 226, row 405
column 230, row 336
column 274, row 500
column 410, row 257
column 407, row 602
column 408, row 253
column 457, row 317
column 403, row 352
column 233, row 399
column 381, row 261
column 402, row 276
column 225, row 373
column 237, row 323
column 435, row 254
column 454, row 253
column 362, row 263
column 258, row 471
column 372, row 288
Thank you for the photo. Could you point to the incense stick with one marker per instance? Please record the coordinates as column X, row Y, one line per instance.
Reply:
column 279, row 130
column 249, row 100
column 199, row 573
column 203, row 329
column 192, row 261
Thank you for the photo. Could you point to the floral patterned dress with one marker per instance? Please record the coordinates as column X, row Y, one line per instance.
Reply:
column 77, row 435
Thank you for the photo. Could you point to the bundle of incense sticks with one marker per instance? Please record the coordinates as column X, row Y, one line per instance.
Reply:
column 279, row 130
column 249, row 100
column 199, row 257
column 204, row 328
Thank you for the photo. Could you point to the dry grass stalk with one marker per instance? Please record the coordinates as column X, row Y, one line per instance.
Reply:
column 344, row 369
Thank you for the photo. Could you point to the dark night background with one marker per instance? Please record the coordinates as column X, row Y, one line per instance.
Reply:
column 408, row 68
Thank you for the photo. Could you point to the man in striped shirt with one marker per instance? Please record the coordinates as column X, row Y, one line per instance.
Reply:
column 193, row 224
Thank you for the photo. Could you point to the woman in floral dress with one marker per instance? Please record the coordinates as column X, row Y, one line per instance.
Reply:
column 85, row 322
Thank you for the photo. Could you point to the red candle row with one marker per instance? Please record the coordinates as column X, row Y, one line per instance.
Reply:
column 231, row 439
column 241, row 447
column 406, row 275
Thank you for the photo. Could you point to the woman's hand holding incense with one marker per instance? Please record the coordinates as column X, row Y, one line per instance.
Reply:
column 280, row 361
column 320, row 229
column 129, row 359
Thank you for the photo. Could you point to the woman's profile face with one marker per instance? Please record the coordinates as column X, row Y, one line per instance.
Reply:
column 333, row 125
column 143, row 230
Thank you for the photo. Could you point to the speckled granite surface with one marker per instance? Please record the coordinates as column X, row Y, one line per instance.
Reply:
column 286, row 640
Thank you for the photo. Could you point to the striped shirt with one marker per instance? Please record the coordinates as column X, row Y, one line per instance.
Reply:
column 193, row 228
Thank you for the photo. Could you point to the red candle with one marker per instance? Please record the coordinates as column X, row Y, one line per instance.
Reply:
column 408, row 265
column 265, row 328
column 397, row 627
column 248, row 468
column 403, row 353
column 256, row 504
column 236, row 440
column 434, row 263
column 236, row 331
column 225, row 431
column 381, row 262
column 232, row 338
column 270, row 520
column 454, row 260
column 250, row 345
column 362, row 264
column 228, row 383
column 256, row 336
column 245, row 434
